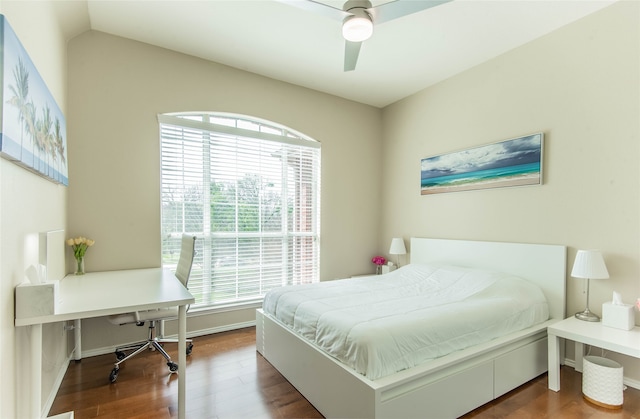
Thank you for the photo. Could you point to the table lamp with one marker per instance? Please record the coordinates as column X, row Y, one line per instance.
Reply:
column 589, row 264
column 397, row 248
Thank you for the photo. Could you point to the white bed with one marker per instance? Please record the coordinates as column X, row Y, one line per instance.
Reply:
column 474, row 375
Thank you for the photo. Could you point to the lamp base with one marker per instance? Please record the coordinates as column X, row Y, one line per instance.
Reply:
column 587, row 316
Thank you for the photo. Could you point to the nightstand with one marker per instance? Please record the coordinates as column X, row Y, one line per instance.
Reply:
column 626, row 342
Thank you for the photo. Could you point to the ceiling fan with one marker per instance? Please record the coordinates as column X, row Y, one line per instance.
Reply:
column 358, row 18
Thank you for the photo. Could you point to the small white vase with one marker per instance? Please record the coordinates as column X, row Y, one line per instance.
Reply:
column 80, row 266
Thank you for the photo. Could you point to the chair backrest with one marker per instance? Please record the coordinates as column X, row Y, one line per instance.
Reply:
column 187, row 251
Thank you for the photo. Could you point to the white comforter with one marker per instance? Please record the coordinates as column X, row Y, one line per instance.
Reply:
column 379, row 325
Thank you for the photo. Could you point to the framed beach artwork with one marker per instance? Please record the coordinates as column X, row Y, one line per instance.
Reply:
column 514, row 162
column 32, row 127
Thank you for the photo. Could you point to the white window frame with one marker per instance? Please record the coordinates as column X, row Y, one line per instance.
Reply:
column 186, row 129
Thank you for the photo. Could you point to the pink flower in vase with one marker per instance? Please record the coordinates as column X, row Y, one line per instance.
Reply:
column 379, row 261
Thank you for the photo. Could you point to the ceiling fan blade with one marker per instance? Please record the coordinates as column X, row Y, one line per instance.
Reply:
column 395, row 9
column 318, row 8
column 351, row 52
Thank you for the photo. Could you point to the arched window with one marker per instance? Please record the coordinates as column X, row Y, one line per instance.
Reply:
column 250, row 191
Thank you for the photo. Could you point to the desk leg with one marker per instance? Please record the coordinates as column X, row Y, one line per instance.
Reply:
column 77, row 338
column 579, row 354
column 36, row 371
column 182, row 361
column 553, row 346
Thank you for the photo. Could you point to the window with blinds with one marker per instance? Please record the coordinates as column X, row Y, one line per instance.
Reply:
column 250, row 191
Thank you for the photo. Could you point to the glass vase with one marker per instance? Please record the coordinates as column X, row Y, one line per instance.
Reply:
column 378, row 269
column 79, row 266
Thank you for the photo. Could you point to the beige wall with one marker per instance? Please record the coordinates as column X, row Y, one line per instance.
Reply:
column 117, row 88
column 578, row 85
column 29, row 205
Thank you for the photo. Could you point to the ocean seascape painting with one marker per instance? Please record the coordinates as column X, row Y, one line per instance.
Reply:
column 32, row 128
column 515, row 162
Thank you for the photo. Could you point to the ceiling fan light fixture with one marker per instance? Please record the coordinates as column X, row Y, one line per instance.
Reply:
column 357, row 28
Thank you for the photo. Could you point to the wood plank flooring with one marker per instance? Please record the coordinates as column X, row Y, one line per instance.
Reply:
column 227, row 378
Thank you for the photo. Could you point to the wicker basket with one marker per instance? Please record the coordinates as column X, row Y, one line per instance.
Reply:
column 602, row 382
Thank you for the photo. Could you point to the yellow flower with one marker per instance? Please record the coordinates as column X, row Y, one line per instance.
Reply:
column 80, row 245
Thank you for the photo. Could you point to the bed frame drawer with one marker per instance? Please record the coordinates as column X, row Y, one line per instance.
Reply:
column 518, row 366
column 471, row 387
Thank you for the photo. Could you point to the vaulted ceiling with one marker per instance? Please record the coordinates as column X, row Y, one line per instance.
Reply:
column 288, row 43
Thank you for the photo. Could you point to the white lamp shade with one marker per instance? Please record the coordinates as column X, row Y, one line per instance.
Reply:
column 397, row 247
column 589, row 264
column 357, row 28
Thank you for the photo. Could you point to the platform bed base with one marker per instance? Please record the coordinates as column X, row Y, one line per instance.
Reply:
column 447, row 387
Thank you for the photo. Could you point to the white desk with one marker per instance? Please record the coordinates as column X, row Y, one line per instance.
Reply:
column 97, row 294
column 626, row 342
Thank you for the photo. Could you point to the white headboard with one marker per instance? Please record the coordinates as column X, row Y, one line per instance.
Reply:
column 542, row 264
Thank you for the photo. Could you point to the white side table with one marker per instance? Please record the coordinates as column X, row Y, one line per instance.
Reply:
column 626, row 342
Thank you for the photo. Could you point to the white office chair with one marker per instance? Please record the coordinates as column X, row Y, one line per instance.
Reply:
column 154, row 341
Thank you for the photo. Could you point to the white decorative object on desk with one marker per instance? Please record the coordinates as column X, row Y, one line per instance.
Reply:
column 51, row 255
column 34, row 300
column 38, row 295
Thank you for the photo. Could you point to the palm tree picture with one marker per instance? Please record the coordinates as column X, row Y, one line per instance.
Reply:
column 32, row 128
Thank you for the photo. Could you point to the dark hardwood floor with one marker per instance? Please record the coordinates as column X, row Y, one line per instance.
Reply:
column 227, row 378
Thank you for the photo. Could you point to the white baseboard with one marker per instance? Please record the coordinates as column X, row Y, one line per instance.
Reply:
column 625, row 380
column 66, row 415
column 192, row 334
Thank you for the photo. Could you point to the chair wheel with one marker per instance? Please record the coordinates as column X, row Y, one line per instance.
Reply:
column 120, row 355
column 114, row 375
column 189, row 349
column 173, row 367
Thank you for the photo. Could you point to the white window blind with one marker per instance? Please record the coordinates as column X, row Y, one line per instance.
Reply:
column 249, row 190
